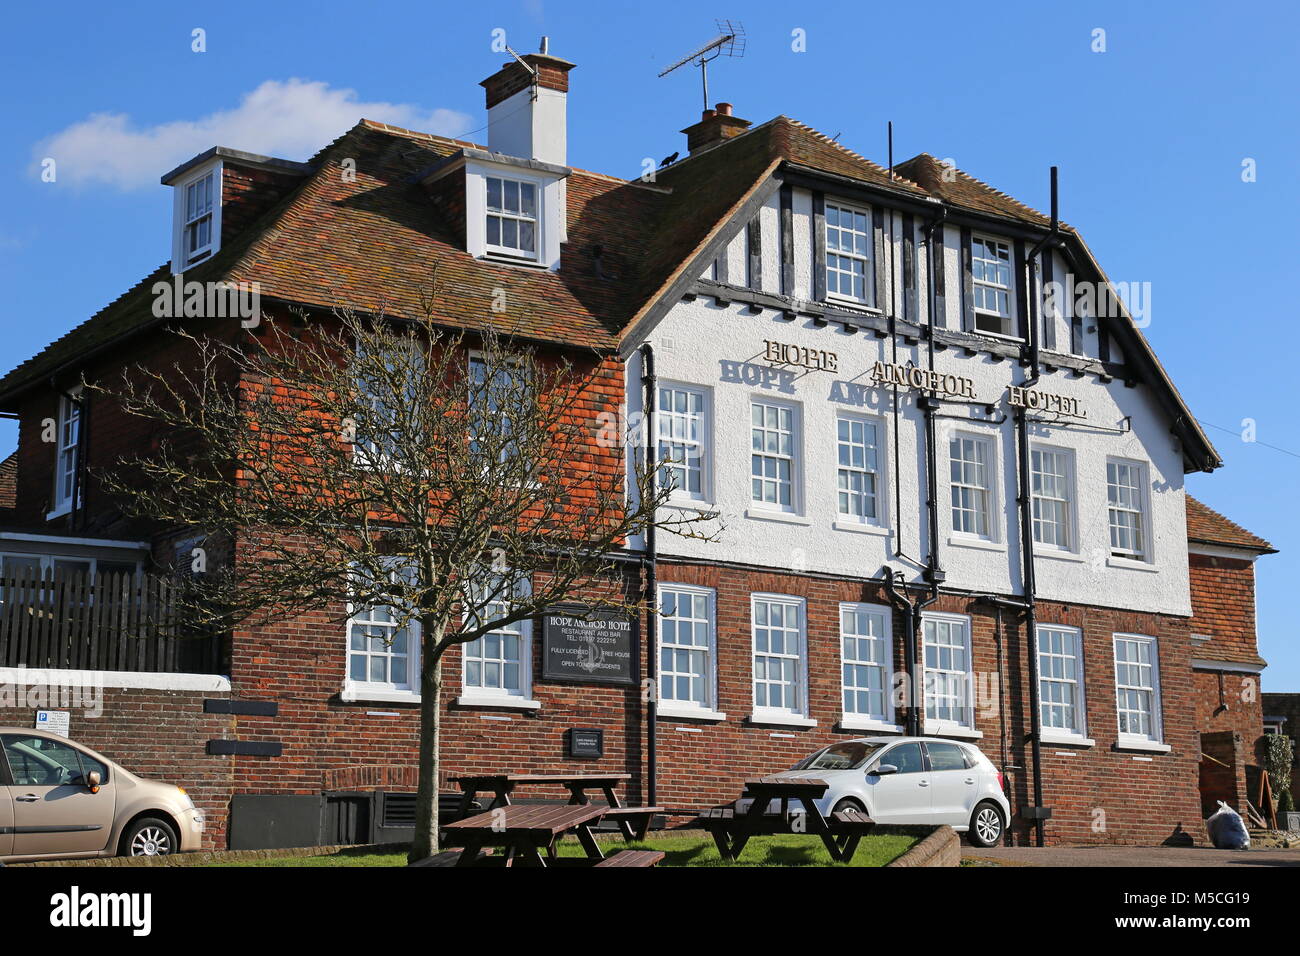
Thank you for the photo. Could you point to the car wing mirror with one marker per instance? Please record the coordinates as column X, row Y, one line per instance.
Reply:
column 884, row 770
column 93, row 781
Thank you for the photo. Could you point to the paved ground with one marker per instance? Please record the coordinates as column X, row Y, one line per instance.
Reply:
column 1130, row 856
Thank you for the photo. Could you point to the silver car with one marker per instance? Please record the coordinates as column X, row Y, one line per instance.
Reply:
column 897, row 780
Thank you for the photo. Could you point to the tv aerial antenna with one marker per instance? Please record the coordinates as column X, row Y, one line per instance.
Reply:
column 730, row 41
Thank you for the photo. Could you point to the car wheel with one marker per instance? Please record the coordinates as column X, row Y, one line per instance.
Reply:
column 985, row 825
column 150, row 836
column 848, row 803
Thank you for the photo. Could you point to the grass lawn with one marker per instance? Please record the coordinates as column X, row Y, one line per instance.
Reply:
column 692, row 850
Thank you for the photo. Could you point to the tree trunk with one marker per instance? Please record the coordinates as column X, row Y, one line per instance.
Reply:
column 425, row 841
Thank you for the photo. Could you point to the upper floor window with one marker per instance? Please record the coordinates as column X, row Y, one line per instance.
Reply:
column 848, row 252
column 197, row 228
column 1126, row 496
column 512, row 217
column 859, row 471
column 501, row 401
column 1052, row 479
column 67, row 452
column 971, row 474
column 990, row 263
column 683, row 440
column 773, row 445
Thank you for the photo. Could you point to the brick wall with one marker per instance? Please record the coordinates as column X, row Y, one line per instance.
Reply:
column 246, row 193
column 161, row 735
column 1223, row 607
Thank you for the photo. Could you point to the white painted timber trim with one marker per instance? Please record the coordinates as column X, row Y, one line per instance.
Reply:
column 80, row 542
column 1056, row 737
column 676, row 711
column 515, row 703
column 776, row 718
column 127, row 680
column 1148, row 746
column 854, row 722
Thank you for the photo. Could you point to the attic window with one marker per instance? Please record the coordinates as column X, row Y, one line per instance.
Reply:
column 991, row 285
column 197, row 227
column 511, row 217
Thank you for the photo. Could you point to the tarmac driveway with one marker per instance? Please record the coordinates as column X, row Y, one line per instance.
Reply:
column 1166, row 856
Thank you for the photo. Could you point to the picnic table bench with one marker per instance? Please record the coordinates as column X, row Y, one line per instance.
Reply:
column 731, row 829
column 525, row 833
column 633, row 822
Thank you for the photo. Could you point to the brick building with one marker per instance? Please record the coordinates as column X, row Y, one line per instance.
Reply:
column 950, row 496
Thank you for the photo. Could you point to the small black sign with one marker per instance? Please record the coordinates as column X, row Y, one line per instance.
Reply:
column 586, row 742
column 589, row 646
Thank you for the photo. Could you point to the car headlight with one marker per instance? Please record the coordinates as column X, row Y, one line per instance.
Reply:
column 185, row 799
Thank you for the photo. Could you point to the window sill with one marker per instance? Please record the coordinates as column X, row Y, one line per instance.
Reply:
column 675, row 711
column 1143, row 746
column 848, row 302
column 976, row 330
column 514, row 703
column 351, row 694
column 1065, row 739
column 854, row 722
column 785, row 517
column 59, row 512
column 860, row 527
column 1057, row 555
column 780, row 719
column 960, row 541
column 1130, row 564
column 960, row 733
column 503, row 258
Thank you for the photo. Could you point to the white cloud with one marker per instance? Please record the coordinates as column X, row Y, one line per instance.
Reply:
column 290, row 119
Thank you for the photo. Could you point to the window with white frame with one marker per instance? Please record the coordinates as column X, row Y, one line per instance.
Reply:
column 198, row 225
column 512, row 217
column 848, row 252
column 773, row 444
column 779, row 667
column 686, row 647
column 1137, row 688
column 1060, row 679
column 499, row 664
column 859, row 471
column 67, row 452
column 682, row 418
column 502, row 406
column 1052, row 481
column 948, row 675
column 865, row 661
column 378, row 434
column 383, row 650
column 990, row 263
column 971, row 478
column 1126, row 498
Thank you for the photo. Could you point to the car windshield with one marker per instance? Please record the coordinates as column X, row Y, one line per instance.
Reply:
column 843, row 756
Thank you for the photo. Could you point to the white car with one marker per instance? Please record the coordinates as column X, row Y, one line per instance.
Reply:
column 897, row 780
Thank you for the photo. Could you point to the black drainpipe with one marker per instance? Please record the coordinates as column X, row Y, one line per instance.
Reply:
column 1037, row 812
column 651, row 584
column 904, row 604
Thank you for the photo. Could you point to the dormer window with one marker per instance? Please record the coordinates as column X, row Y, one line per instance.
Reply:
column 990, row 265
column 848, row 253
column 512, row 217
column 197, row 231
column 197, row 216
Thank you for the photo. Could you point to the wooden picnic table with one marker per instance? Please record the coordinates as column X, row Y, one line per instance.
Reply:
column 524, row 832
column 732, row 830
column 502, row 785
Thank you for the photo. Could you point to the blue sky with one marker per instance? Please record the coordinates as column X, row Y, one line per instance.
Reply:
column 1150, row 136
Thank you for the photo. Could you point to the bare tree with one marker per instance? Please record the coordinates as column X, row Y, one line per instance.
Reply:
column 457, row 485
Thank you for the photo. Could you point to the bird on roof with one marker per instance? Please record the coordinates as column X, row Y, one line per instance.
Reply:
column 668, row 160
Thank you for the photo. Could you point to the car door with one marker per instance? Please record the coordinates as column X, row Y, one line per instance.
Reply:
column 902, row 797
column 54, row 811
column 952, row 783
column 6, row 810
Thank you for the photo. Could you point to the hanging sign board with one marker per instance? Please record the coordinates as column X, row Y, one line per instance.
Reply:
column 588, row 646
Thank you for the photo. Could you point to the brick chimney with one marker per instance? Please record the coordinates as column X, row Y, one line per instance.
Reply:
column 714, row 127
column 521, row 124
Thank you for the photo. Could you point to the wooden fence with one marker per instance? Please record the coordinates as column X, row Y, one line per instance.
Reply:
column 108, row 622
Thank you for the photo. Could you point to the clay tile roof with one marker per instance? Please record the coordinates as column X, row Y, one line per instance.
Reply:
column 1207, row 526
column 962, row 189
column 9, row 482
